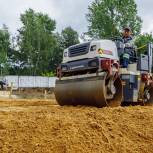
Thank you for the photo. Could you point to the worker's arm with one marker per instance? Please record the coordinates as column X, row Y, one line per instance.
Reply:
column 130, row 44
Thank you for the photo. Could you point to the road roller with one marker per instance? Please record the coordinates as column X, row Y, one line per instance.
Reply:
column 91, row 74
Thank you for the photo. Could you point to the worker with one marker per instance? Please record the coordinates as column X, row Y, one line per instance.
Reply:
column 128, row 47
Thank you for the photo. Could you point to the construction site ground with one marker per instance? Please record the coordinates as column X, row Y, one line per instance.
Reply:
column 41, row 126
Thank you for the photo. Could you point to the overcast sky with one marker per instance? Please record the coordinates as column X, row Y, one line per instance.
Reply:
column 65, row 12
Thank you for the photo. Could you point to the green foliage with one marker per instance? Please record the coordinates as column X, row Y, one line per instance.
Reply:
column 4, row 48
column 69, row 37
column 48, row 74
column 40, row 50
column 142, row 41
column 36, row 42
column 57, row 53
column 4, row 44
column 108, row 17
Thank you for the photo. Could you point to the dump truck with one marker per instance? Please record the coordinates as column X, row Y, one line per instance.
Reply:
column 91, row 74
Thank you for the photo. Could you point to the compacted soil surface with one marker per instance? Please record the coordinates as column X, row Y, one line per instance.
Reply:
column 41, row 126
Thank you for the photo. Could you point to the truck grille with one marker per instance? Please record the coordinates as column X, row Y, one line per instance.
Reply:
column 79, row 50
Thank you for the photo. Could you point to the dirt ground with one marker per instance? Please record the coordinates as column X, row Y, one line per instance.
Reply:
column 38, row 126
column 31, row 93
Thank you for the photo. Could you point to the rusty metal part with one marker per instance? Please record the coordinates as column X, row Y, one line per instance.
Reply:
column 89, row 91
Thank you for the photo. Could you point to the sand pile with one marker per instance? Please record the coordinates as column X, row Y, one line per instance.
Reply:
column 41, row 127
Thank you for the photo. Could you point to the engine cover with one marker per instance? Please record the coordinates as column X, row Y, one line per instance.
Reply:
column 89, row 50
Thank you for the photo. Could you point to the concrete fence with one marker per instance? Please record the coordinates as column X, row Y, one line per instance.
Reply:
column 30, row 81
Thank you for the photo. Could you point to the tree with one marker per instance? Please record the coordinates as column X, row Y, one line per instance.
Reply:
column 57, row 54
column 142, row 42
column 69, row 37
column 108, row 17
column 36, row 42
column 4, row 49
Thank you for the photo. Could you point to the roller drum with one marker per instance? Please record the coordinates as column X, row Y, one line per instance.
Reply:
column 89, row 91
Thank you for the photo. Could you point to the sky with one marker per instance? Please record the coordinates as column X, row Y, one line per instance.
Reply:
column 65, row 12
